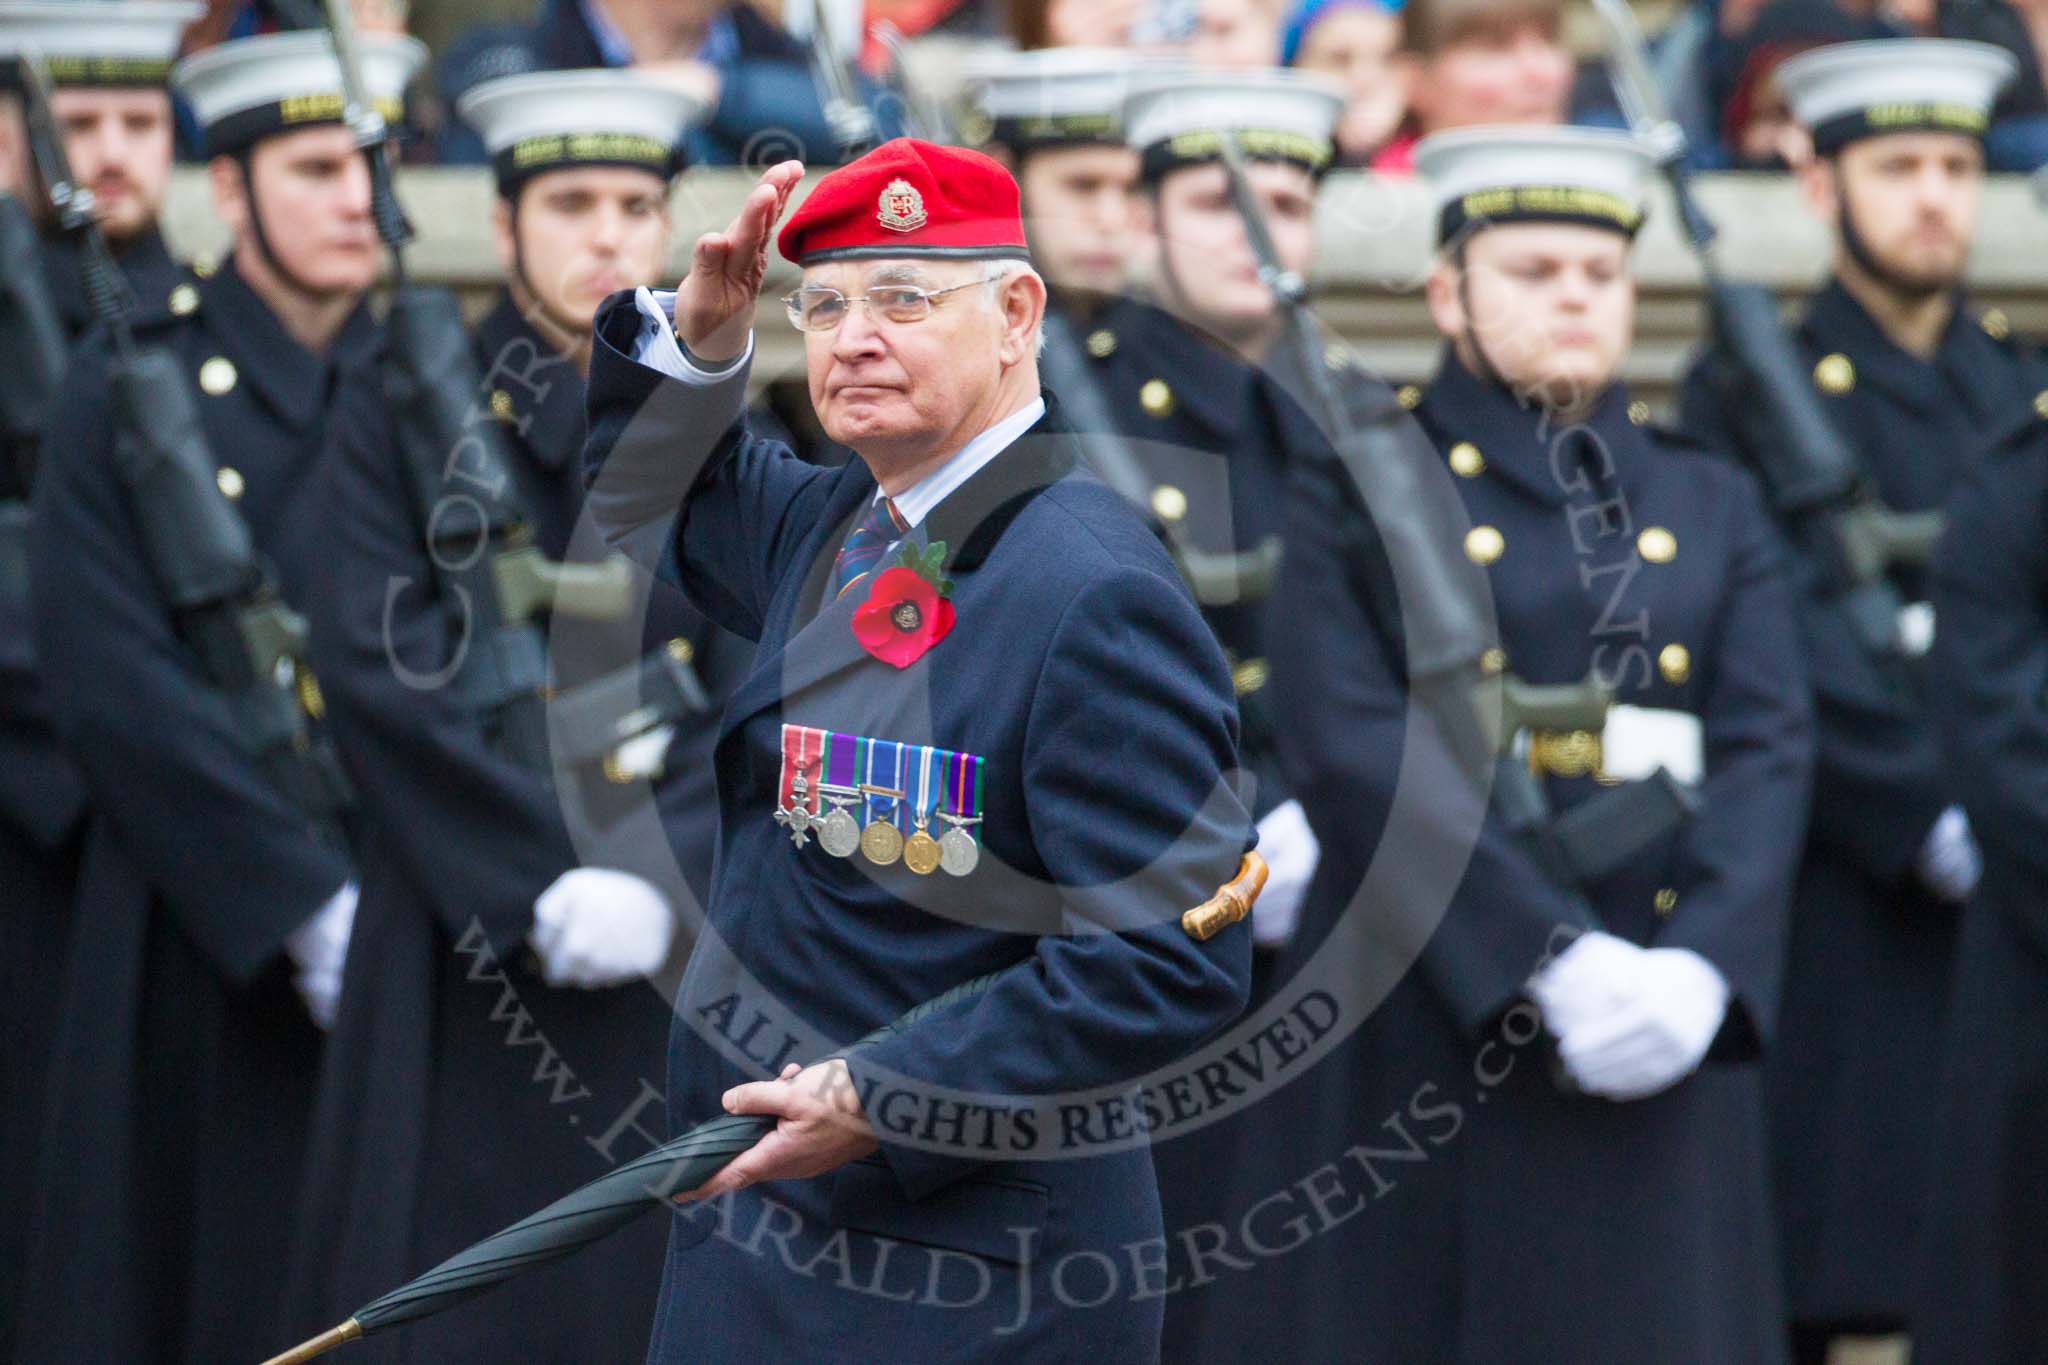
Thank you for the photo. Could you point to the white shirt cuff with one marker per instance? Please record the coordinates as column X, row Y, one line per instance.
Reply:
column 658, row 349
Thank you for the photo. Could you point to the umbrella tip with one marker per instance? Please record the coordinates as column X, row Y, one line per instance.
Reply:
column 320, row 1345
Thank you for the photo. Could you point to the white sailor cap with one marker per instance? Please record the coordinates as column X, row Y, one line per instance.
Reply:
column 1845, row 91
column 1522, row 173
column 251, row 88
column 1056, row 96
column 545, row 120
column 108, row 42
column 1178, row 118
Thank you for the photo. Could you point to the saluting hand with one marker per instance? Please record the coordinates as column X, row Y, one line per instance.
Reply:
column 715, row 301
column 820, row 1127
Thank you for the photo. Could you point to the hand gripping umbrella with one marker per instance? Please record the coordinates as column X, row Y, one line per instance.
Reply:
column 597, row 1210
column 611, row 1201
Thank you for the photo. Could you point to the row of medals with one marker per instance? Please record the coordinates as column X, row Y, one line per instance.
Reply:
column 881, row 843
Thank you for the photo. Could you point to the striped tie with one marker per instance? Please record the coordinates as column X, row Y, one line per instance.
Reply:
column 865, row 545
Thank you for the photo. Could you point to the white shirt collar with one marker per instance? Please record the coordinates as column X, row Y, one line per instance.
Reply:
column 916, row 502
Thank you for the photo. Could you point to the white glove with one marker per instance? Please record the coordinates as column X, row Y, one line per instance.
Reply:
column 643, row 755
column 1653, row 1039
column 1591, row 980
column 599, row 927
column 320, row 947
column 1291, row 852
column 1949, row 861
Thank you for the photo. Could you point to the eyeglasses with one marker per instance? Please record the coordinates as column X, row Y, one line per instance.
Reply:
column 818, row 309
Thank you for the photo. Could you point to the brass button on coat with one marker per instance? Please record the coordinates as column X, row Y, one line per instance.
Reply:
column 1466, row 461
column 1834, row 374
column 229, row 480
column 1675, row 663
column 217, row 376
column 1101, row 343
column 1169, row 503
column 1156, row 398
column 1657, row 545
column 1484, row 544
column 184, row 300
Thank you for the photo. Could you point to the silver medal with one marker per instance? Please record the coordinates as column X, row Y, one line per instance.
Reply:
column 958, row 853
column 839, row 833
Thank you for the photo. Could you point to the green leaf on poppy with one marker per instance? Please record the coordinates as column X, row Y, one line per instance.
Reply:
column 928, row 564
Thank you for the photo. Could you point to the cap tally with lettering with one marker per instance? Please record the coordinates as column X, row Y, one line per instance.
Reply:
column 1178, row 118
column 1052, row 97
column 1846, row 91
column 1518, row 174
column 547, row 120
column 251, row 88
column 107, row 43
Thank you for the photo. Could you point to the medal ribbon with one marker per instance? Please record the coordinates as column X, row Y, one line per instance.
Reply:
column 842, row 760
column 963, row 789
column 802, row 746
column 925, row 755
column 889, row 808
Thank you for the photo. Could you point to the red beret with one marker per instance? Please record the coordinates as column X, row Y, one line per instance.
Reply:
column 908, row 198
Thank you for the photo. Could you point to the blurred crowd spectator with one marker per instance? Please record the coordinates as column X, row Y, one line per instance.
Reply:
column 1409, row 67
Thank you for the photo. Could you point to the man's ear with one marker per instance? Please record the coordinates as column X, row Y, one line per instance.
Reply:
column 503, row 244
column 1446, row 302
column 230, row 194
column 1145, row 211
column 1023, row 311
column 1820, row 187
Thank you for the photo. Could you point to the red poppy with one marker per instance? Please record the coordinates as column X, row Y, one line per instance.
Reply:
column 903, row 617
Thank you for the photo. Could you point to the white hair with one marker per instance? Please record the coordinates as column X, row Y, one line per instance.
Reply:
column 995, row 274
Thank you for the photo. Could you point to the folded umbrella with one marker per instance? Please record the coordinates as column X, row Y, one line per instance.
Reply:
column 581, row 1217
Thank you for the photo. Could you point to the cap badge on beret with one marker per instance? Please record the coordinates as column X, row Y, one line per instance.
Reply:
column 901, row 207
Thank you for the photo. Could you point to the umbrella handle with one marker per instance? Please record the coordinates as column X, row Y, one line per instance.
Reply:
column 320, row 1345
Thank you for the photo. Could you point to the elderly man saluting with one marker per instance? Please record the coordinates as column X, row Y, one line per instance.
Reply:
column 986, row 731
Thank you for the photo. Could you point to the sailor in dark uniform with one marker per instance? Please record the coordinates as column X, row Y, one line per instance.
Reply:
column 108, row 66
column 1545, row 1141
column 500, row 1040
column 1201, row 387
column 218, row 888
column 1980, row 1283
column 1054, row 117
column 1913, row 377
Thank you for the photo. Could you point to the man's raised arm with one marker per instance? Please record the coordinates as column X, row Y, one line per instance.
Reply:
column 668, row 381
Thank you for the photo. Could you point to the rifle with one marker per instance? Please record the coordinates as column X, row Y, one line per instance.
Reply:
column 250, row 643
column 490, row 577
column 1452, row 645
column 849, row 117
column 31, row 337
column 1216, row 578
column 1817, row 484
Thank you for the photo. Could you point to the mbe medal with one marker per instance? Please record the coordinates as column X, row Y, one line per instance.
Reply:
column 801, row 748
